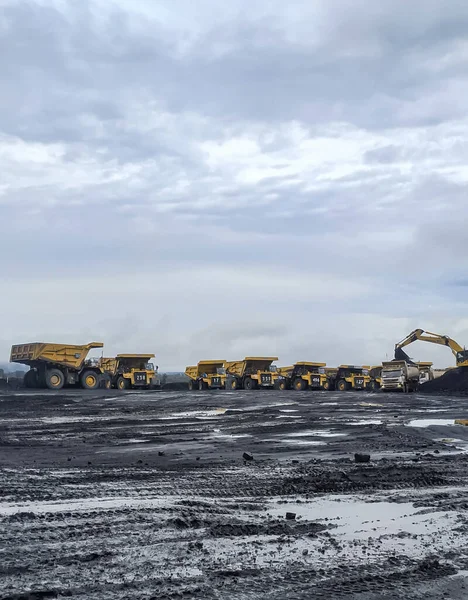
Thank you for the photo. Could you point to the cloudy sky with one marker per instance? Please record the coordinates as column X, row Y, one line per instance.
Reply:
column 213, row 179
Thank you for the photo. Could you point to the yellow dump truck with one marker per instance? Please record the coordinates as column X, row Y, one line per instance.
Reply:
column 305, row 375
column 350, row 377
column 56, row 365
column 252, row 372
column 128, row 371
column 207, row 375
column 375, row 374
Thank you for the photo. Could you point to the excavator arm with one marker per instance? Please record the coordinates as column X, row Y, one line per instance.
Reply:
column 461, row 355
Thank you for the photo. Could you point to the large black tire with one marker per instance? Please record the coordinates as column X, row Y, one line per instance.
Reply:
column 202, row 385
column 372, row 386
column 191, row 385
column 55, row 379
column 233, row 384
column 90, row 380
column 326, row 385
column 299, row 384
column 249, row 384
column 281, row 385
column 105, row 382
column 30, row 379
column 341, row 385
column 122, row 383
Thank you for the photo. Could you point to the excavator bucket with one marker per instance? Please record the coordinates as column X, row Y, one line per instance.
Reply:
column 400, row 354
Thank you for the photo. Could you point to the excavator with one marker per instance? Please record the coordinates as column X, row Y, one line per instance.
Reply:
column 460, row 353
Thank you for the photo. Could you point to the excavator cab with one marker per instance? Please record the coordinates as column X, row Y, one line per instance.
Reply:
column 462, row 356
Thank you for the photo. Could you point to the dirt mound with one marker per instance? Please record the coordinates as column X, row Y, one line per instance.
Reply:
column 453, row 381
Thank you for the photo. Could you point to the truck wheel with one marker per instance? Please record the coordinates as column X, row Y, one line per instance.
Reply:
column 233, row 384
column 90, row 380
column 55, row 379
column 122, row 383
column 326, row 385
column 106, row 382
column 341, row 385
column 249, row 384
column 300, row 385
column 371, row 386
column 30, row 379
column 281, row 385
column 191, row 386
column 202, row 385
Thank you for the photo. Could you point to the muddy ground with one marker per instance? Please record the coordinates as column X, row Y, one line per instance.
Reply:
column 149, row 495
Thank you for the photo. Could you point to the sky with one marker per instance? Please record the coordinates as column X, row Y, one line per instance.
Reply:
column 209, row 180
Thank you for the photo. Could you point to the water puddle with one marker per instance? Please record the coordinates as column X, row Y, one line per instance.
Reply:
column 84, row 504
column 366, row 422
column 316, row 433
column 430, row 422
column 218, row 434
column 356, row 518
column 198, row 414
column 289, row 417
column 305, row 443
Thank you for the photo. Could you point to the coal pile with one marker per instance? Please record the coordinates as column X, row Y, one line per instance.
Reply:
column 453, row 381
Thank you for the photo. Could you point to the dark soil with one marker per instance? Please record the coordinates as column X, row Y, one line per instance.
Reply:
column 232, row 495
column 454, row 381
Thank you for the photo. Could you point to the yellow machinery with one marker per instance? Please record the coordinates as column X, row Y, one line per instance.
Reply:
column 128, row 371
column 207, row 375
column 375, row 374
column 56, row 365
column 350, row 377
column 252, row 372
column 460, row 353
column 305, row 375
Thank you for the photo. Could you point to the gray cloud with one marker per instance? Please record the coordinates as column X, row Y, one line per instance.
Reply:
column 256, row 179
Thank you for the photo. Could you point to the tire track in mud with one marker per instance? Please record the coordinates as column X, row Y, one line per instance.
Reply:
column 215, row 527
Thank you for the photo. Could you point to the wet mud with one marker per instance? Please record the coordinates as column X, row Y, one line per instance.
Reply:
column 237, row 495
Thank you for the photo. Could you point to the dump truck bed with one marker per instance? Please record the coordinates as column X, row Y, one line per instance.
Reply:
column 67, row 355
column 210, row 367
column 251, row 364
column 137, row 356
column 205, row 367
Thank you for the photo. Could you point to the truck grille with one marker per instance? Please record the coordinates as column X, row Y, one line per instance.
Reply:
column 315, row 381
column 359, row 381
column 215, row 381
column 265, row 379
column 390, row 382
column 139, row 378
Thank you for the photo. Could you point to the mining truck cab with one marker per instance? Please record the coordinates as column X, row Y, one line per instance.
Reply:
column 128, row 371
column 207, row 375
column 309, row 375
column 253, row 372
column 426, row 372
column 351, row 377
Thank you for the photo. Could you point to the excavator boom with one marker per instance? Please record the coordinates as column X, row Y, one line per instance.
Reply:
column 458, row 351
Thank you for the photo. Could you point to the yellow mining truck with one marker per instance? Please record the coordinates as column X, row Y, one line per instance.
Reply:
column 128, row 371
column 207, row 375
column 56, row 365
column 350, row 377
column 305, row 375
column 252, row 372
column 375, row 374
